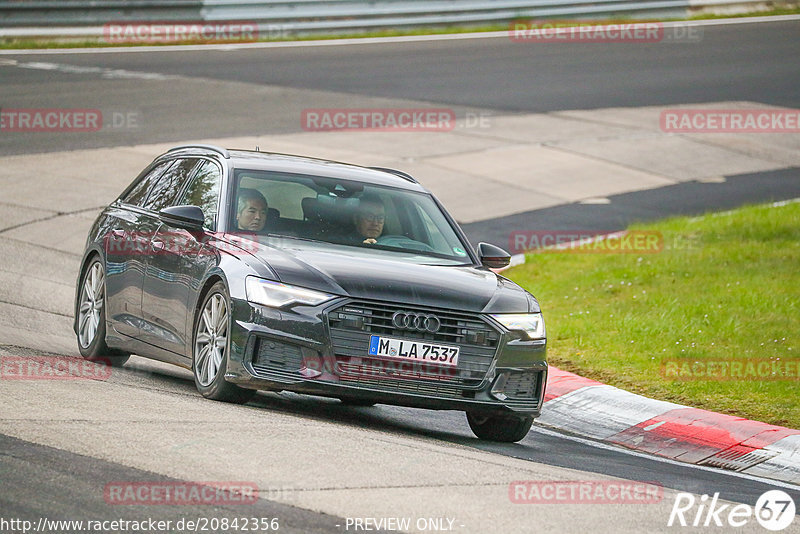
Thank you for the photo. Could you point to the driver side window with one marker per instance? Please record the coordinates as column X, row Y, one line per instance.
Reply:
column 204, row 192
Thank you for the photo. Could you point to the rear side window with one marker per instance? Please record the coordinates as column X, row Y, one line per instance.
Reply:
column 138, row 194
column 204, row 192
column 168, row 186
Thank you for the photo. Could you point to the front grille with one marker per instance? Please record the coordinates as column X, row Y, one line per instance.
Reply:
column 456, row 328
column 352, row 324
column 358, row 374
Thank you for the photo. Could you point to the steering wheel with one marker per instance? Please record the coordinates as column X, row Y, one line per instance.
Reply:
column 401, row 241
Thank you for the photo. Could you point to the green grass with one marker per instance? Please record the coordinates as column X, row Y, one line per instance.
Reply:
column 772, row 12
column 725, row 286
column 43, row 43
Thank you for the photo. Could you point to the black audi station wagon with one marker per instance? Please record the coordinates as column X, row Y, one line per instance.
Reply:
column 263, row 271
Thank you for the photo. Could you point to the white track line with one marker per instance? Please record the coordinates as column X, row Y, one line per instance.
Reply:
column 105, row 73
column 608, row 447
column 361, row 41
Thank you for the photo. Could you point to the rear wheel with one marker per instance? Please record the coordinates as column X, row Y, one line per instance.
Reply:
column 210, row 349
column 505, row 428
column 92, row 317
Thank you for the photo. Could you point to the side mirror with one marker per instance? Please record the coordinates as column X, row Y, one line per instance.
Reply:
column 492, row 256
column 187, row 217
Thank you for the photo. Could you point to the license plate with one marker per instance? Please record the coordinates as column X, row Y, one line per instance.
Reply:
column 413, row 350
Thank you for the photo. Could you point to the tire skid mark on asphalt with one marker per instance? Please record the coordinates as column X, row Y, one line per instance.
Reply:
column 32, row 290
column 15, row 205
column 68, row 315
column 29, row 243
column 34, row 340
column 44, row 247
column 34, row 308
column 55, row 215
column 116, row 379
column 20, row 350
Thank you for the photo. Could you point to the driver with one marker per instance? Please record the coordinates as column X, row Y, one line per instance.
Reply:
column 251, row 210
column 369, row 219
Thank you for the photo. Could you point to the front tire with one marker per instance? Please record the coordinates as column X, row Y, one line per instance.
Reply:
column 211, row 346
column 503, row 428
column 92, row 317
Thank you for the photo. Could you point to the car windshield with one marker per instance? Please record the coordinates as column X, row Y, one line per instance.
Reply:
column 344, row 213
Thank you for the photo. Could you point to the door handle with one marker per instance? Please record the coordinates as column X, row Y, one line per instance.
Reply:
column 118, row 233
column 157, row 246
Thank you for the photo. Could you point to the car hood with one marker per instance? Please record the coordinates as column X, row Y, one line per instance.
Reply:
column 390, row 277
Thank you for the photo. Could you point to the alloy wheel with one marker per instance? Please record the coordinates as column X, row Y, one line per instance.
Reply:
column 91, row 304
column 211, row 339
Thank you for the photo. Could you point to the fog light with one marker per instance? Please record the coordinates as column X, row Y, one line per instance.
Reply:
column 499, row 387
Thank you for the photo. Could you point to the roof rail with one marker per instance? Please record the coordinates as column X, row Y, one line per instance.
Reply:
column 223, row 152
column 401, row 174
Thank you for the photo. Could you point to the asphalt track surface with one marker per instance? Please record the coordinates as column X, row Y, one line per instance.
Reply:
column 54, row 483
column 688, row 198
column 750, row 62
column 247, row 92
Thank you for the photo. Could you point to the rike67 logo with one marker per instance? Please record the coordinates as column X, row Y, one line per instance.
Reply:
column 774, row 510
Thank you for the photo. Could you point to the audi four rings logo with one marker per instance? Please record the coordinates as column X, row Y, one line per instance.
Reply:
column 416, row 321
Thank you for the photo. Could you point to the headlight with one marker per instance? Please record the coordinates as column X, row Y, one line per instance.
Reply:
column 530, row 323
column 277, row 295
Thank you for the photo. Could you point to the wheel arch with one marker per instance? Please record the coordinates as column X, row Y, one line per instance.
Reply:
column 210, row 282
column 211, row 279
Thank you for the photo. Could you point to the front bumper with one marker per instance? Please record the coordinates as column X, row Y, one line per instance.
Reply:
column 323, row 351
